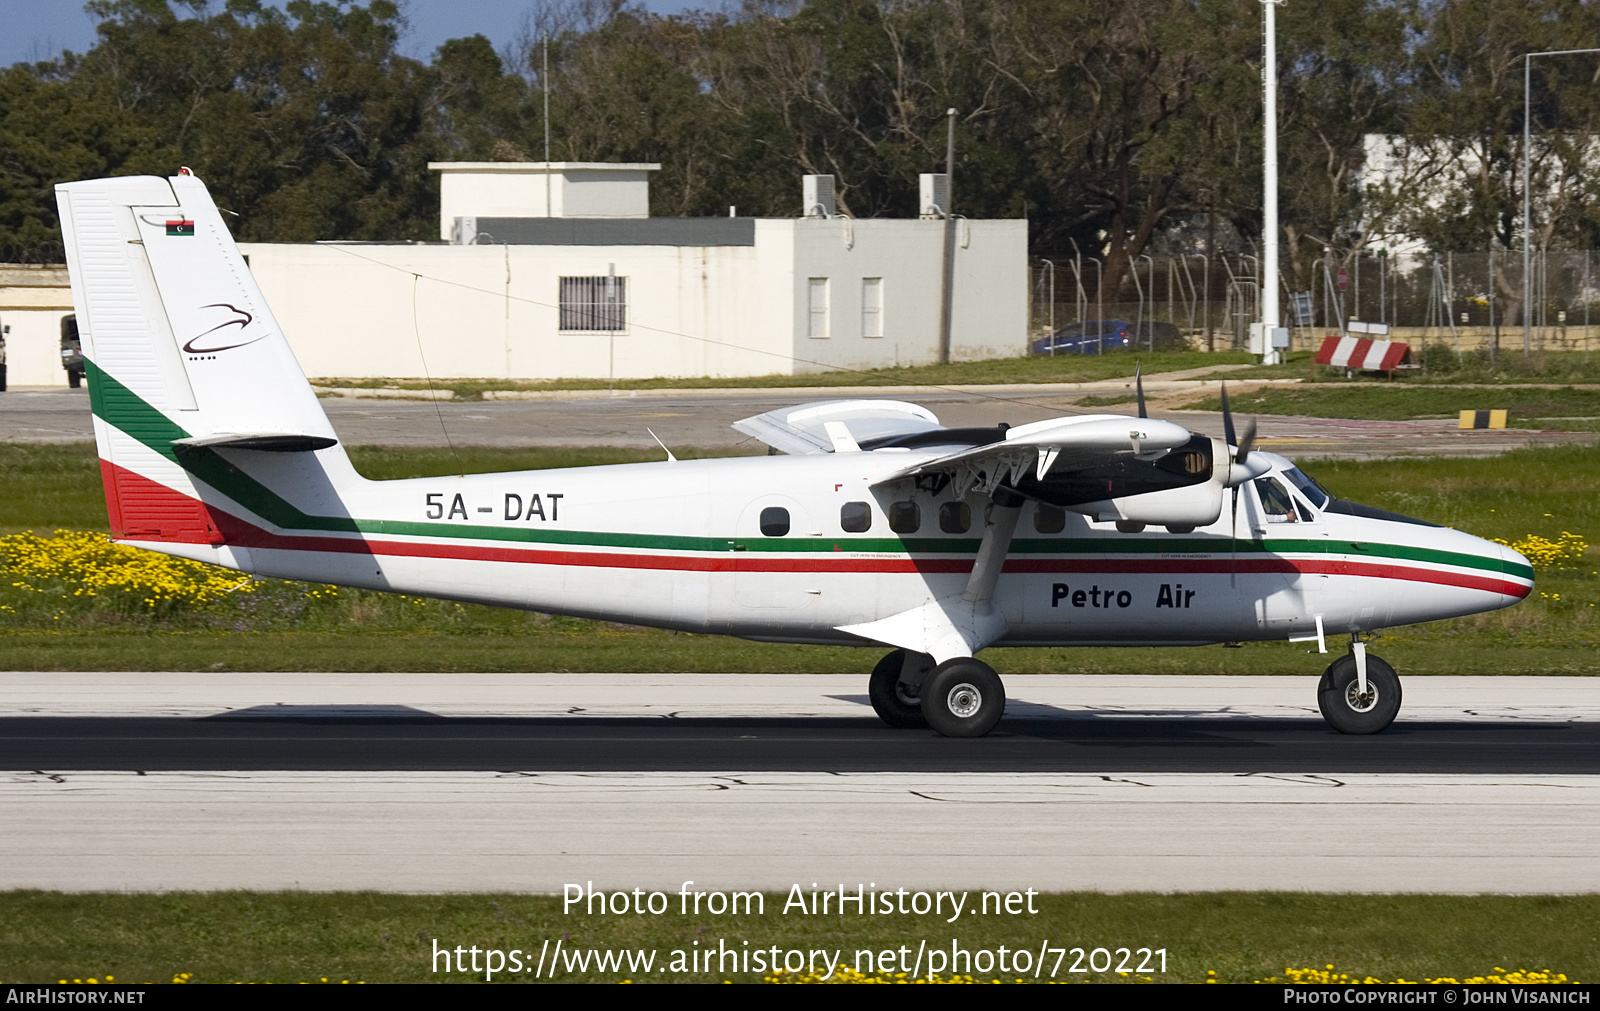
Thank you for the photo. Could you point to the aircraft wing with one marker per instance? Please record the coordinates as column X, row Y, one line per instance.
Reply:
column 1059, row 443
column 837, row 425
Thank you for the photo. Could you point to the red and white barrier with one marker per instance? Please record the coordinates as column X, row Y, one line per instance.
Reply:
column 1360, row 352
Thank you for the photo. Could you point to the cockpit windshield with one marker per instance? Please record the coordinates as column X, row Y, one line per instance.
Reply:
column 1307, row 487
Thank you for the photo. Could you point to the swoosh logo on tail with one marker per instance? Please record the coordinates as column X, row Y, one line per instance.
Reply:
column 241, row 321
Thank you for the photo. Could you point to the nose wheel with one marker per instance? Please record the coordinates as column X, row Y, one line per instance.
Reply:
column 1351, row 708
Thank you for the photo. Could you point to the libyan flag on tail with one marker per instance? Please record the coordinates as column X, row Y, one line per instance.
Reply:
column 180, row 227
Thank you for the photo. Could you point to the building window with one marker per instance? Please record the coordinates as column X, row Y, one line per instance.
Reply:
column 872, row 307
column 594, row 303
column 817, row 307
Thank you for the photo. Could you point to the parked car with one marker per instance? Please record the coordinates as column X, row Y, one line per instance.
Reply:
column 1096, row 336
column 71, row 350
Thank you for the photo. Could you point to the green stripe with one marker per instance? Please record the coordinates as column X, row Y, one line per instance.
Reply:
column 124, row 409
column 117, row 405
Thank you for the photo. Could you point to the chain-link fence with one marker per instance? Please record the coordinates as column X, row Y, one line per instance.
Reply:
column 1465, row 300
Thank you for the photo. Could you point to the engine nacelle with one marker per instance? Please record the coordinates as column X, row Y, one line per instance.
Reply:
column 1197, row 502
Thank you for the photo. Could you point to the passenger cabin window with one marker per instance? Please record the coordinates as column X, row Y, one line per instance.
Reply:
column 1275, row 501
column 1049, row 519
column 855, row 517
column 774, row 521
column 905, row 517
column 955, row 518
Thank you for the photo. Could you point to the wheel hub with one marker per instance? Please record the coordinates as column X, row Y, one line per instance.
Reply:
column 1358, row 701
column 964, row 700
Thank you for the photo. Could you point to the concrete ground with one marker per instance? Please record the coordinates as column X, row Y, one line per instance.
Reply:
column 703, row 418
column 511, row 828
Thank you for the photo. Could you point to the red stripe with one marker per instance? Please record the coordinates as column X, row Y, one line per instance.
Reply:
column 243, row 533
column 146, row 510
column 1358, row 355
column 1392, row 355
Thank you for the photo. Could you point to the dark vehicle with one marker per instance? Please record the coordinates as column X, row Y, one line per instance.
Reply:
column 1096, row 336
column 71, row 350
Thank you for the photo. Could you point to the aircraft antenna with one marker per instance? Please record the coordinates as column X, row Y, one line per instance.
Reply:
column 670, row 457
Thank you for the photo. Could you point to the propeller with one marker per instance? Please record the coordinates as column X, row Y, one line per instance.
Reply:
column 1238, row 475
column 1138, row 383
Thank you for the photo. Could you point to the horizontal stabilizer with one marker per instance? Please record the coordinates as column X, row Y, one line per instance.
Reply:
column 268, row 442
column 804, row 430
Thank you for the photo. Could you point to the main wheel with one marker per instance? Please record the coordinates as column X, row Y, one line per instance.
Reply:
column 74, row 378
column 893, row 703
column 1343, row 705
column 963, row 698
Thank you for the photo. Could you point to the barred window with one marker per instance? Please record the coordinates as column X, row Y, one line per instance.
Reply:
column 594, row 303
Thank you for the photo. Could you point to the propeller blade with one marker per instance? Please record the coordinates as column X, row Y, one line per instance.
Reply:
column 1138, row 383
column 1233, row 541
column 1228, row 435
column 1248, row 441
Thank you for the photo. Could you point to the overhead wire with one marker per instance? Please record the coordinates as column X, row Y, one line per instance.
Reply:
column 872, row 373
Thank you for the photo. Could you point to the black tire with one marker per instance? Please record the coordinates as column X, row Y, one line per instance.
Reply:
column 963, row 698
column 893, row 704
column 1341, row 704
column 74, row 378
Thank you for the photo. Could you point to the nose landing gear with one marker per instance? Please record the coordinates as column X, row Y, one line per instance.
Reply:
column 1355, row 700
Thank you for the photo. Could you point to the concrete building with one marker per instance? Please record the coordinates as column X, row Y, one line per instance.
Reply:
column 556, row 270
column 32, row 301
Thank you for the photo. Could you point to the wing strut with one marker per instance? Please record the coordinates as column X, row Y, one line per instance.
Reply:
column 998, row 530
column 959, row 624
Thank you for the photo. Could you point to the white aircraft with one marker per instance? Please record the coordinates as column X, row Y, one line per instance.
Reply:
column 877, row 525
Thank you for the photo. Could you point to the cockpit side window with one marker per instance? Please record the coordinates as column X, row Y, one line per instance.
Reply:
column 1276, row 501
column 1307, row 487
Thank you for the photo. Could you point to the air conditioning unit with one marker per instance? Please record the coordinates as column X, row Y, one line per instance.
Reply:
column 464, row 232
column 934, row 195
column 817, row 197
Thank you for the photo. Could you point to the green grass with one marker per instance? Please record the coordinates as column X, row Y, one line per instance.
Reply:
column 284, row 627
column 1442, row 366
column 1032, row 369
column 1399, row 402
column 377, row 938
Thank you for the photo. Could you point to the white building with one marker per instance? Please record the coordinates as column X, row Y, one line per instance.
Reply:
column 556, row 270
column 32, row 301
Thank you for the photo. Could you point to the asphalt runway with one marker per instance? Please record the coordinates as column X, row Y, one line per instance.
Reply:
column 519, row 782
column 701, row 419
column 306, row 739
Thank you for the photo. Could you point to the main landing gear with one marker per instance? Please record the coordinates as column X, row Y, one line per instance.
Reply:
column 1351, row 706
column 961, row 697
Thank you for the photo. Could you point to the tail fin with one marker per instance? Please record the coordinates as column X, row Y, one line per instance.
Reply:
column 183, row 357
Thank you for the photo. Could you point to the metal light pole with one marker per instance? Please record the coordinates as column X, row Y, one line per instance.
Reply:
column 1269, row 183
column 1527, row 180
column 947, row 296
